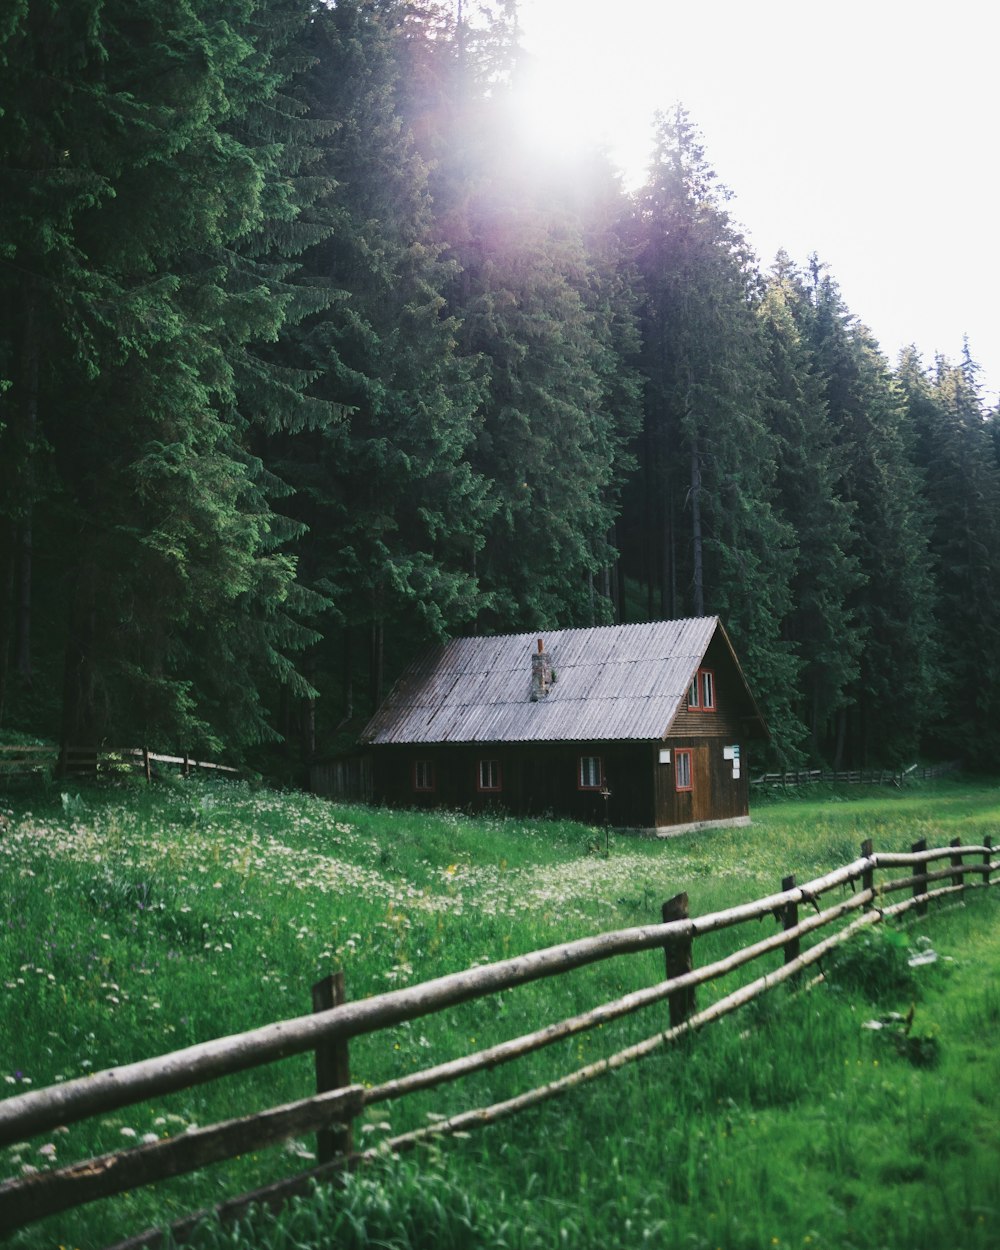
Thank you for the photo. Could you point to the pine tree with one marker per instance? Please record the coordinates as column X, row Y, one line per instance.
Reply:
column 893, row 608
column 961, row 486
column 392, row 504
column 822, row 622
column 542, row 306
column 154, row 261
column 550, row 444
column 704, row 496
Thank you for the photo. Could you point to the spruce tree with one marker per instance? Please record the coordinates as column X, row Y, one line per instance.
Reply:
column 896, row 684
column 961, row 487
column 392, row 505
column 540, row 300
column 704, row 497
column 822, row 620
column 161, row 184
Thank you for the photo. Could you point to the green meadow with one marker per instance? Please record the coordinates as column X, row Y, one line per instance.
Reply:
column 137, row 920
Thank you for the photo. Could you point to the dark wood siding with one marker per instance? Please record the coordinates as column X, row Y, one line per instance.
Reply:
column 537, row 779
column 349, row 780
column 723, row 723
column 733, row 711
column 715, row 793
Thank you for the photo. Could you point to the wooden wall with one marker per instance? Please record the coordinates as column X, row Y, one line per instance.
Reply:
column 715, row 793
column 537, row 778
column 541, row 779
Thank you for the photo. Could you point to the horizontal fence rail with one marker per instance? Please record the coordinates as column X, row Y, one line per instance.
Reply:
column 858, row 776
column 29, row 761
column 33, row 761
column 328, row 1029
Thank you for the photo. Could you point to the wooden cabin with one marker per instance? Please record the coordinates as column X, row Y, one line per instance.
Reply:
column 639, row 726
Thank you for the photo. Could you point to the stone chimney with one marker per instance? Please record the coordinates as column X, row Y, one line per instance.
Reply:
column 541, row 673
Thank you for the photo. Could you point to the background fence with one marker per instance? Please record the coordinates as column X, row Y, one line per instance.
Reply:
column 865, row 777
column 27, row 762
column 327, row 1032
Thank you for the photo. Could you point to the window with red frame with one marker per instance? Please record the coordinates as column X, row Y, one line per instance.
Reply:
column 701, row 692
column 591, row 772
column 489, row 775
column 682, row 770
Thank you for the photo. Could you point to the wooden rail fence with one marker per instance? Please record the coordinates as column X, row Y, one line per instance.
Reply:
column 41, row 761
column 328, row 1029
column 858, row 776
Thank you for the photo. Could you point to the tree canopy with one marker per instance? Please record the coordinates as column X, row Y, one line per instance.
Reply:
column 304, row 362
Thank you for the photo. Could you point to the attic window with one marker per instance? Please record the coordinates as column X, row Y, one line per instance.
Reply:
column 701, row 692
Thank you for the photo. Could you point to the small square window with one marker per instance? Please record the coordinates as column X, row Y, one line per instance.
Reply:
column 489, row 775
column 682, row 770
column 423, row 775
column 591, row 772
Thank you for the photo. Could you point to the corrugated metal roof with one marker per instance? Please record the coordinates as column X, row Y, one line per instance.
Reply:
column 614, row 682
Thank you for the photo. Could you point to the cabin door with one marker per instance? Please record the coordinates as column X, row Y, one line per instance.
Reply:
column 701, row 784
column 684, row 786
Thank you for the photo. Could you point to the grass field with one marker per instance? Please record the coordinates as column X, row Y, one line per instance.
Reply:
column 139, row 920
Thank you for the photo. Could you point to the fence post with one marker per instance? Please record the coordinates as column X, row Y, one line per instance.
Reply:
column 868, row 875
column 679, row 960
column 789, row 919
column 145, row 764
column 333, row 1069
column 987, row 859
column 958, row 878
column 920, row 877
column 186, row 766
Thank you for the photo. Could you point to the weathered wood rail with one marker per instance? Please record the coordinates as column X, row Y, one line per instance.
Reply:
column 27, row 761
column 38, row 761
column 328, row 1029
column 857, row 776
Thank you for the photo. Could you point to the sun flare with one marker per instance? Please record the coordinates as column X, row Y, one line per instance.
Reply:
column 552, row 112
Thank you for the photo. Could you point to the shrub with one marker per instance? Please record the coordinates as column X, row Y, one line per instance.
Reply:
column 875, row 964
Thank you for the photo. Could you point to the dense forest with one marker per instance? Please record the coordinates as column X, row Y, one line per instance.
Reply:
column 305, row 362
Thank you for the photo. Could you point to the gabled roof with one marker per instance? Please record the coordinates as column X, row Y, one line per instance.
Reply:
column 612, row 683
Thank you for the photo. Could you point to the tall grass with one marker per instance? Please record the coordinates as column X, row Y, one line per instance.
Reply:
column 140, row 920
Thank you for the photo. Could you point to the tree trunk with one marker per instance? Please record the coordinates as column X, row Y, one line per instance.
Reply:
column 613, row 573
column 6, row 605
column 649, row 526
column 697, row 550
column 309, row 730
column 377, row 661
column 666, row 549
column 22, row 623
column 672, row 554
column 347, row 678
column 79, row 719
column 838, row 755
column 30, row 356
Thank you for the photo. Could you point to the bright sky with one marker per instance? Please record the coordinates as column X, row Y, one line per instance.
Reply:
column 864, row 131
